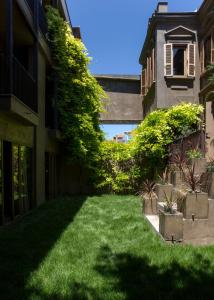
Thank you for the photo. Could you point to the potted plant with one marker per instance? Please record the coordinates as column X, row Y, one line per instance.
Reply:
column 179, row 162
column 163, row 187
column 170, row 220
column 196, row 158
column 196, row 202
column 149, row 198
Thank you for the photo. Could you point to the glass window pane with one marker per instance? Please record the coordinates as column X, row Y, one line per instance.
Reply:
column 16, row 180
column 23, row 178
column 178, row 61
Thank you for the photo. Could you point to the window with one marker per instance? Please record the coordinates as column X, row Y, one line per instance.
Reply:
column 179, row 60
column 207, row 51
column 148, row 73
column 22, row 179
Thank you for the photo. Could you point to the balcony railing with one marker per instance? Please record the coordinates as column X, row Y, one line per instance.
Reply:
column 31, row 5
column 24, row 86
column 42, row 20
column 41, row 15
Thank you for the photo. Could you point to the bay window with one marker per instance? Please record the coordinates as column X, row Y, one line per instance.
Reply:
column 179, row 60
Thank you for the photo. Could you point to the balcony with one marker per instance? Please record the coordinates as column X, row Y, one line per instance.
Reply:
column 21, row 97
column 42, row 20
column 24, row 86
column 36, row 9
column 31, row 5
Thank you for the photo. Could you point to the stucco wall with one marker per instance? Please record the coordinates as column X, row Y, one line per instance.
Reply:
column 40, row 135
column 12, row 131
column 171, row 91
column 209, row 129
column 124, row 103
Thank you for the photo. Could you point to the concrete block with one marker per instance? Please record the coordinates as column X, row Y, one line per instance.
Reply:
column 150, row 206
column 200, row 165
column 196, row 229
column 178, row 179
column 171, row 225
column 195, row 204
column 161, row 189
column 179, row 196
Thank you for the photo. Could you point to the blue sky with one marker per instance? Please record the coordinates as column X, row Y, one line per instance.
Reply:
column 114, row 31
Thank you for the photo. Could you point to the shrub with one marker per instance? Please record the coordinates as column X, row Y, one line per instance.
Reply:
column 161, row 128
column 123, row 167
column 118, row 172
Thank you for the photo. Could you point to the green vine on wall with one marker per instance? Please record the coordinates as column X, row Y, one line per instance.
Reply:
column 77, row 92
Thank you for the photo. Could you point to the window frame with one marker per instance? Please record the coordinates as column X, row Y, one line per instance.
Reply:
column 187, row 63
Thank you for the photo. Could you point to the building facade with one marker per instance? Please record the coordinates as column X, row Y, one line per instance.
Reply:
column 31, row 153
column 177, row 50
column 124, row 103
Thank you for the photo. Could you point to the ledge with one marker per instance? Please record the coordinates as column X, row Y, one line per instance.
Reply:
column 179, row 78
column 11, row 105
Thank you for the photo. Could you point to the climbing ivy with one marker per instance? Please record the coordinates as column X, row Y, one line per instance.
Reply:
column 78, row 94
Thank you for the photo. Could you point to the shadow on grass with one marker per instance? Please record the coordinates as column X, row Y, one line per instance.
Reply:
column 24, row 244
column 138, row 279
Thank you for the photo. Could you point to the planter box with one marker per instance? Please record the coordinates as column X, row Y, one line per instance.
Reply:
column 161, row 189
column 178, row 179
column 200, row 165
column 196, row 204
column 150, row 206
column 171, row 225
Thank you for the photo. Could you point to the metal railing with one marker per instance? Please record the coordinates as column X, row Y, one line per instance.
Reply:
column 31, row 5
column 41, row 14
column 42, row 20
column 24, row 86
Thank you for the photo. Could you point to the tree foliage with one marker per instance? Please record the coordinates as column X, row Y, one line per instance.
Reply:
column 77, row 92
column 118, row 170
column 125, row 166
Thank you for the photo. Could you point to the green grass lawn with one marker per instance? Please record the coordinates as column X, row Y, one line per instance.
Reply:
column 98, row 248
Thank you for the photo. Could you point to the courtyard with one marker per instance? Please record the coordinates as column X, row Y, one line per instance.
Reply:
column 98, row 247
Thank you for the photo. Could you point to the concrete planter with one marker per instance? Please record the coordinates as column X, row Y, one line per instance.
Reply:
column 171, row 225
column 150, row 205
column 195, row 206
column 178, row 179
column 162, row 189
column 200, row 165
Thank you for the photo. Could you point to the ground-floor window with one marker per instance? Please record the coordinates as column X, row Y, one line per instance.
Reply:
column 22, row 178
